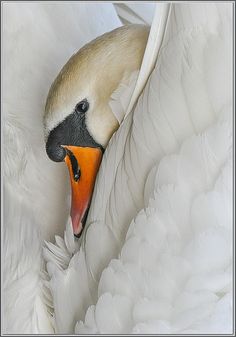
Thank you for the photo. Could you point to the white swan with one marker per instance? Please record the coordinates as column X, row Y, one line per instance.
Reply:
column 79, row 118
column 166, row 167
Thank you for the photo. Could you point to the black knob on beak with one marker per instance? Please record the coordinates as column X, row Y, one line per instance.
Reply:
column 54, row 151
column 72, row 131
column 65, row 133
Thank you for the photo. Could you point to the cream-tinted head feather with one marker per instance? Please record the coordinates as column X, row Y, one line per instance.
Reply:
column 94, row 73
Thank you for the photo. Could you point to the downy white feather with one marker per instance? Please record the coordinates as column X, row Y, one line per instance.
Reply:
column 38, row 38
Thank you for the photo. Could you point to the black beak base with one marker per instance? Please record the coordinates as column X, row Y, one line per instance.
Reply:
column 72, row 131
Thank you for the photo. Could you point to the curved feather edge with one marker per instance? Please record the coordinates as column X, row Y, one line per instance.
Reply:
column 189, row 244
column 126, row 260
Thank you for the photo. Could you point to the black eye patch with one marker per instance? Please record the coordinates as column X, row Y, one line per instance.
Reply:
column 82, row 106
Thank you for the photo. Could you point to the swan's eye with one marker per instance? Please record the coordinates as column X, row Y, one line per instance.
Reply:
column 82, row 106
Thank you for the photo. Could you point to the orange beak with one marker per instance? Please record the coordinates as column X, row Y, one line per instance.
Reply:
column 83, row 164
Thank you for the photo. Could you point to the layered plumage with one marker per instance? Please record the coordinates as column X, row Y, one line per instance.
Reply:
column 38, row 38
column 156, row 254
column 173, row 268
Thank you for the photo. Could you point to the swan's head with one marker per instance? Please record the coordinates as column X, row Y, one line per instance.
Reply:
column 78, row 119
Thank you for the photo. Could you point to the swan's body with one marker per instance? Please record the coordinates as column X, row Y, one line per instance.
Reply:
column 169, row 163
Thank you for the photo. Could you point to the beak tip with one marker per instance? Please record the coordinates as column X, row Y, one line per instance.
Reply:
column 82, row 183
column 77, row 236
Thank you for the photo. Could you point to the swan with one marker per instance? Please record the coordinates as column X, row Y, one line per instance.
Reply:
column 78, row 118
column 155, row 254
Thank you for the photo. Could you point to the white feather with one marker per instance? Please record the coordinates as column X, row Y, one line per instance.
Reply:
column 140, row 13
column 121, row 97
column 38, row 38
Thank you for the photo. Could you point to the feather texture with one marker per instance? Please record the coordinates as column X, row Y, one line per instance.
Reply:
column 155, row 253
column 38, row 38
column 189, row 245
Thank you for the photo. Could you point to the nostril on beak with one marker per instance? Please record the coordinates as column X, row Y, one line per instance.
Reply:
column 74, row 164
